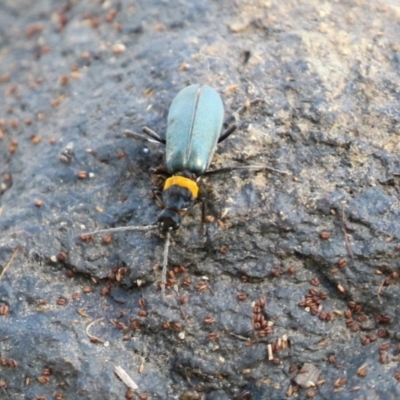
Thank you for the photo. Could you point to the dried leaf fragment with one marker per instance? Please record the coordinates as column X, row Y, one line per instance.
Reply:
column 308, row 375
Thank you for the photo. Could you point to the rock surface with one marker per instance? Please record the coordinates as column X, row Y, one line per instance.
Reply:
column 308, row 264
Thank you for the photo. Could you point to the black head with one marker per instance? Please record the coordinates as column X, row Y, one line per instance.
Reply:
column 168, row 221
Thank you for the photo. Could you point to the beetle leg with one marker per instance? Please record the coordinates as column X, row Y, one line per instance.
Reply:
column 157, row 196
column 153, row 135
column 158, row 177
column 255, row 167
column 203, row 228
column 227, row 133
column 139, row 136
column 162, row 172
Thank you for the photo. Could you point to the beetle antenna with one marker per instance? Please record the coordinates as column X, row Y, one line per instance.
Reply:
column 165, row 264
column 124, row 228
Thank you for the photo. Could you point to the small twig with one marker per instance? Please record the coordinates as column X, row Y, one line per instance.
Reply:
column 123, row 228
column 183, row 314
column 270, row 352
column 264, row 297
column 253, row 328
column 246, row 106
column 346, row 240
column 380, row 289
column 9, row 262
column 211, row 290
column 92, row 337
column 125, row 378
column 245, row 339
column 346, row 237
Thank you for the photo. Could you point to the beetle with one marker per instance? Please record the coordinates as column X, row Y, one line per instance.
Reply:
column 194, row 125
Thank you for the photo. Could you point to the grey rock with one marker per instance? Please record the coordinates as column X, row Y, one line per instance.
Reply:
column 328, row 77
